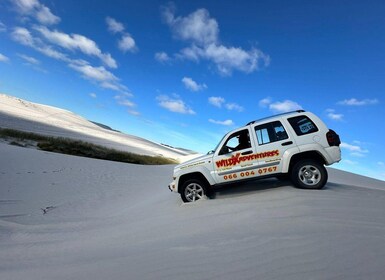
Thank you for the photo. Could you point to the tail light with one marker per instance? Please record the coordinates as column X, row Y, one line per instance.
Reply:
column 333, row 138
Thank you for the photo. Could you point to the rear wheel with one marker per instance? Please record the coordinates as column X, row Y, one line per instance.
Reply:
column 309, row 174
column 193, row 190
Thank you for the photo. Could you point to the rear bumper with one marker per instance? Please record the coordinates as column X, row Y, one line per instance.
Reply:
column 334, row 153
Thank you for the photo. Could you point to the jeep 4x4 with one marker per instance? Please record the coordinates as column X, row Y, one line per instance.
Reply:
column 296, row 145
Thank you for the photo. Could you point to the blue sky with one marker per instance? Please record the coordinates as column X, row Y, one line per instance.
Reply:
column 186, row 72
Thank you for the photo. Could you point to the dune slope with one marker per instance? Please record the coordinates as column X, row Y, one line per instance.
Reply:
column 66, row 217
column 19, row 114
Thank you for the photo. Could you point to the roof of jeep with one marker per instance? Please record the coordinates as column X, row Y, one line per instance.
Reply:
column 275, row 116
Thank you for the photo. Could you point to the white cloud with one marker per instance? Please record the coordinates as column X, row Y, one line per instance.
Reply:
column 355, row 150
column 174, row 105
column 162, row 57
column 44, row 16
column 284, row 106
column 228, row 59
column 50, row 52
column 108, row 60
column 197, row 27
column 3, row 28
column 265, row 102
column 192, row 85
column 26, row 6
column 3, row 58
column 193, row 53
column 357, row 154
column 76, row 42
column 226, row 122
column 127, row 43
column 36, row 10
column 29, row 59
column 22, row 36
column 133, row 112
column 234, row 107
column 202, row 32
column 93, row 95
column 94, row 73
column 126, row 103
column 333, row 115
column 114, row 85
column 356, row 102
column 122, row 99
column 350, row 162
column 100, row 75
column 114, row 26
column 217, row 101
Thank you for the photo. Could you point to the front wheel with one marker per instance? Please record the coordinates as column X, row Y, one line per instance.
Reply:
column 309, row 174
column 192, row 190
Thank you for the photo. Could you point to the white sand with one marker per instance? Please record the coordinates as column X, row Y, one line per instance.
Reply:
column 108, row 220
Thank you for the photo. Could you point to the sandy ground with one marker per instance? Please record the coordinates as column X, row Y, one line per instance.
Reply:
column 66, row 217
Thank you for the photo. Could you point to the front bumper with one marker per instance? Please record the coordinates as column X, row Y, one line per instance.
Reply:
column 172, row 187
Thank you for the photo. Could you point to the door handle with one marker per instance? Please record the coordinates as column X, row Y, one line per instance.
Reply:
column 287, row 143
column 246, row 153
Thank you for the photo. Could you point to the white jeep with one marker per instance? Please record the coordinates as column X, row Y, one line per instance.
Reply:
column 296, row 145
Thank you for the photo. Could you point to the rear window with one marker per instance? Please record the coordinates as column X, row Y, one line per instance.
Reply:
column 302, row 125
column 270, row 132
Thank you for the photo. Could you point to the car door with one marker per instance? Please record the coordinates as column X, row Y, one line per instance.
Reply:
column 272, row 141
column 234, row 159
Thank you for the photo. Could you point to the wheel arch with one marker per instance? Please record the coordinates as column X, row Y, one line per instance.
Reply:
column 193, row 175
column 309, row 155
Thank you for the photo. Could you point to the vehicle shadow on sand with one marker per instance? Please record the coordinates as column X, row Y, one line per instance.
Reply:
column 245, row 188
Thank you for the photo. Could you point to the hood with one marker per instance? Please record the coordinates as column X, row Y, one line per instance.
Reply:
column 192, row 162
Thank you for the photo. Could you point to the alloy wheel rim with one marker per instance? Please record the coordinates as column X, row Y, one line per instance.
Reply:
column 194, row 192
column 309, row 175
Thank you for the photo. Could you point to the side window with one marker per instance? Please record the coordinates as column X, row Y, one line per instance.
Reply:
column 302, row 125
column 270, row 132
column 237, row 141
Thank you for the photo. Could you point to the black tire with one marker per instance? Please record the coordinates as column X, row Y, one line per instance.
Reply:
column 309, row 174
column 193, row 190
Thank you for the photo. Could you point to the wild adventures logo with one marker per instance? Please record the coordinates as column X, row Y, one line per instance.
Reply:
column 237, row 158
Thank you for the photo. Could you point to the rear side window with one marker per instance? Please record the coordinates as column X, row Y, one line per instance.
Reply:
column 270, row 132
column 302, row 125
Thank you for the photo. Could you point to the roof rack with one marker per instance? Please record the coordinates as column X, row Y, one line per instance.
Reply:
column 297, row 111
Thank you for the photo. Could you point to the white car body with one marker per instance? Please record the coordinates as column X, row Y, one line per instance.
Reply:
column 265, row 154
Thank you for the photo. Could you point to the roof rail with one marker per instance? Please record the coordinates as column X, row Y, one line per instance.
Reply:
column 296, row 111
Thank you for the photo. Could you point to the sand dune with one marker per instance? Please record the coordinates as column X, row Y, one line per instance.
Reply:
column 23, row 115
column 66, row 217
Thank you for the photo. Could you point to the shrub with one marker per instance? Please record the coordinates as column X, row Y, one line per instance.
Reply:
column 84, row 149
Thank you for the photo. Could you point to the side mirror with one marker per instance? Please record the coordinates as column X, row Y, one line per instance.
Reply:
column 210, row 152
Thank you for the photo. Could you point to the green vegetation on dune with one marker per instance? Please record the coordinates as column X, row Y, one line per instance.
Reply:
column 80, row 148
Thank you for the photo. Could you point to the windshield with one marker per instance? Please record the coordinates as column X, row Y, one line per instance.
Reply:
column 213, row 151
